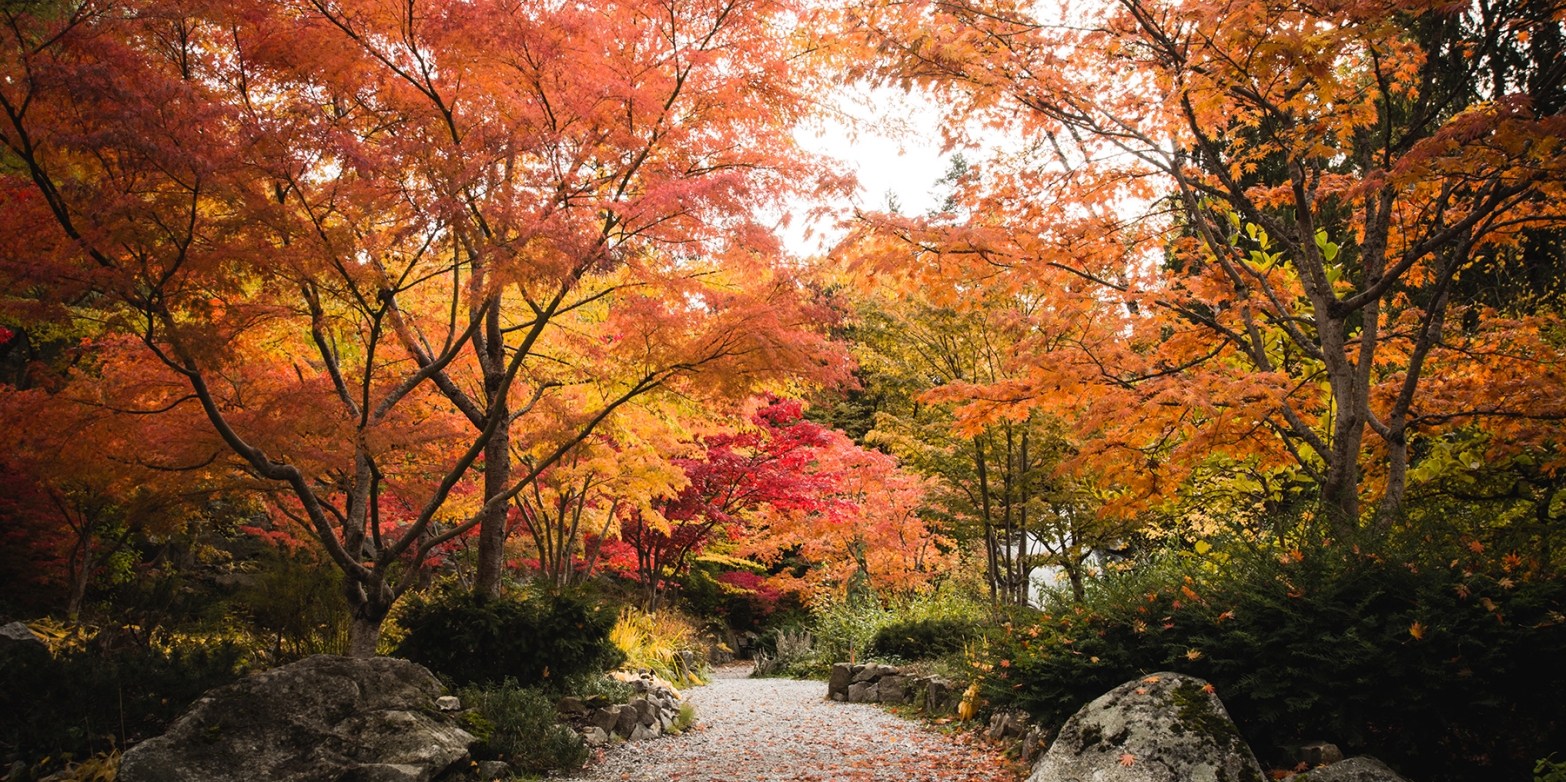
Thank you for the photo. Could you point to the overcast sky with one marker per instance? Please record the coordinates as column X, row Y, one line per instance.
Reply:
column 891, row 142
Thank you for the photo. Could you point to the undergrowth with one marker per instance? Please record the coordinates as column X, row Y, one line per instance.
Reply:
column 1447, row 666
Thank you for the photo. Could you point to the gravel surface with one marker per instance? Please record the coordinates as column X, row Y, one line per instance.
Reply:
column 781, row 729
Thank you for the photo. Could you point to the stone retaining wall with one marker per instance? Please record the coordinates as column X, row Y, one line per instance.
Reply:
column 873, row 683
column 651, row 714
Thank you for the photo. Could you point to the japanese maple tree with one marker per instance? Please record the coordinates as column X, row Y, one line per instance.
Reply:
column 733, row 475
column 367, row 239
column 1251, row 223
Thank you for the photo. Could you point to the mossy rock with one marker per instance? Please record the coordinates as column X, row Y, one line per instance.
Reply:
column 1163, row 727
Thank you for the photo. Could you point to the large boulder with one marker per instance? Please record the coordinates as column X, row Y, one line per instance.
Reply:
column 1166, row 727
column 322, row 719
column 16, row 636
column 1360, row 769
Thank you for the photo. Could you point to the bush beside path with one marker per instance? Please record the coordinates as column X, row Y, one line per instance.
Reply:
column 772, row 730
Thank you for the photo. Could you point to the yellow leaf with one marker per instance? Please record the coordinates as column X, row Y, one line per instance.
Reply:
column 1416, row 630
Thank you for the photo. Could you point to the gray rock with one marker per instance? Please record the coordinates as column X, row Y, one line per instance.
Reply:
column 1315, row 753
column 643, row 732
column 687, row 661
column 629, row 718
column 448, row 703
column 1006, row 724
column 321, row 719
column 595, row 736
column 866, row 673
column 646, row 712
column 860, row 692
column 605, row 719
column 1360, row 769
column 942, row 697
column 1166, row 727
column 837, row 685
column 892, row 689
column 571, row 707
column 1034, row 742
column 490, row 770
column 18, row 635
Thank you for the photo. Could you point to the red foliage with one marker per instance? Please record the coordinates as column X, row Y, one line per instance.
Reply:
column 737, row 473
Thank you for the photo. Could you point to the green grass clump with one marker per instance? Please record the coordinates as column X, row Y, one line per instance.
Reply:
column 519, row 726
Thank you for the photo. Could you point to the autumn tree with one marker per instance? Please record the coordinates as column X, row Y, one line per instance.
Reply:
column 760, row 465
column 1271, row 209
column 1013, row 487
column 866, row 534
column 368, row 239
column 82, row 488
column 571, row 509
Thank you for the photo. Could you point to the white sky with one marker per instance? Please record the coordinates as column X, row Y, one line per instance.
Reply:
column 891, row 142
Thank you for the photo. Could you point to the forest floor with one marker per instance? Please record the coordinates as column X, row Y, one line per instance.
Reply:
column 773, row 730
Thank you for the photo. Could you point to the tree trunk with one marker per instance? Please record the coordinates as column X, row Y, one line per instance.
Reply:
column 492, row 530
column 1078, row 590
column 363, row 636
column 83, row 578
column 368, row 605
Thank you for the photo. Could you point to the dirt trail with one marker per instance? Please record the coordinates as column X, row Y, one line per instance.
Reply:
column 780, row 729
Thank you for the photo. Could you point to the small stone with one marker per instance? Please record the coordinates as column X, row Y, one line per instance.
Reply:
column 595, row 736
column 938, row 696
column 489, row 770
column 997, row 726
column 842, row 674
column 1320, row 753
column 448, row 703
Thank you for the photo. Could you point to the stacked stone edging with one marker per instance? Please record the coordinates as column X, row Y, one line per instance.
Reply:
column 648, row 716
column 874, row 683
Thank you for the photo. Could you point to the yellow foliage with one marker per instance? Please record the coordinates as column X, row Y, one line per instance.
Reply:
column 654, row 641
column 98, row 768
column 970, row 702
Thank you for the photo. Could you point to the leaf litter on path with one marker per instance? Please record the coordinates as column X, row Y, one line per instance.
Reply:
column 782, row 730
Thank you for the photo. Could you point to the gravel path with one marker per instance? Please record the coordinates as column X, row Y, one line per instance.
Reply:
column 774, row 730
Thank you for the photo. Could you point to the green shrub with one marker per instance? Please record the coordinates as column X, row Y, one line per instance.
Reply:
column 89, row 700
column 598, row 688
column 924, row 639
column 297, row 606
column 1441, row 667
column 543, row 638
column 519, row 726
column 843, row 630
